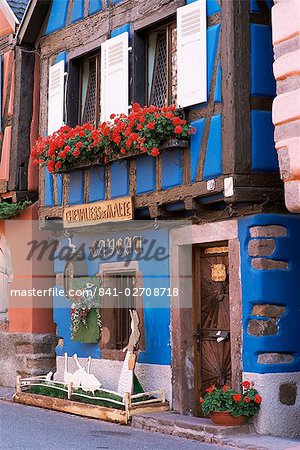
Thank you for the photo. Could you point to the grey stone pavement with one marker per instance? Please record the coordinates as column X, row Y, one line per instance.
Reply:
column 25, row 427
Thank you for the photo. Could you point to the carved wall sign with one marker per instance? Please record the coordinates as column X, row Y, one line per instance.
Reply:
column 94, row 213
column 121, row 246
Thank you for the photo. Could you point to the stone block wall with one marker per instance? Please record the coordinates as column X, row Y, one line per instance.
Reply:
column 286, row 106
column 25, row 354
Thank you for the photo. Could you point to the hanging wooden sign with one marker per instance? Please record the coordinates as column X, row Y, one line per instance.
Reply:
column 115, row 210
column 218, row 272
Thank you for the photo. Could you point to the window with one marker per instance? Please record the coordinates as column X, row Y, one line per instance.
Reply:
column 116, row 303
column 161, row 67
column 89, row 107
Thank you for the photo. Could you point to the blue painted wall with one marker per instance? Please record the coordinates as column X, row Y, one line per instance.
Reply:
column 213, row 160
column 76, row 188
column 58, row 16
column 213, row 34
column 280, row 287
column 156, row 309
column 264, row 155
column 171, row 168
column 95, row 6
column 145, row 174
column 123, row 29
column 49, row 201
column 262, row 78
column 97, row 183
column 195, row 145
column 119, row 173
column 77, row 11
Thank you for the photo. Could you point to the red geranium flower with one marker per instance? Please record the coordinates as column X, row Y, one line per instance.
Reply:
column 79, row 145
column 246, row 384
column 178, row 129
column 237, row 397
column 210, row 389
column 76, row 153
column 155, row 151
column 247, row 399
column 258, row 399
column 201, row 400
column 225, row 388
column 58, row 165
column 151, row 126
column 177, row 120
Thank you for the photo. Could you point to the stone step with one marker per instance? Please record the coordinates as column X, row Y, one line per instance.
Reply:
column 185, row 426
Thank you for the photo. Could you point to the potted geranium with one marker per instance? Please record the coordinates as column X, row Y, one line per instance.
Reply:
column 226, row 406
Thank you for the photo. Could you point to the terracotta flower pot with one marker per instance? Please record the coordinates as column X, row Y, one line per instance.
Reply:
column 226, row 418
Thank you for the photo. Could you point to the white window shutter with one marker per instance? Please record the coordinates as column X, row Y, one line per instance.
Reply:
column 191, row 54
column 114, row 76
column 56, row 97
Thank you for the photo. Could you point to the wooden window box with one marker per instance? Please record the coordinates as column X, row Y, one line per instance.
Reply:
column 85, row 164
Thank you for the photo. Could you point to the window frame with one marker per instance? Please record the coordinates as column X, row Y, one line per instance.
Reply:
column 113, row 268
column 75, row 59
column 167, row 30
column 140, row 45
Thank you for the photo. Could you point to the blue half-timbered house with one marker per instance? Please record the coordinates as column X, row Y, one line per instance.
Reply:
column 233, row 259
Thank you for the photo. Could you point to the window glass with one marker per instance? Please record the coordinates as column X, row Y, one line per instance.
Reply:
column 90, row 91
column 161, row 68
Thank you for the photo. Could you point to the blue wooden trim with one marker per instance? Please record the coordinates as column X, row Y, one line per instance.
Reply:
column 76, row 189
column 77, row 11
column 123, row 29
column 145, row 174
column 95, row 6
column 264, row 156
column 262, row 78
column 119, row 179
column 58, row 16
column 171, row 168
column 49, row 201
column 213, row 160
column 97, row 183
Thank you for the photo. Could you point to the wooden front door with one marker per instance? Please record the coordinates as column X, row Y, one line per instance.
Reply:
column 211, row 318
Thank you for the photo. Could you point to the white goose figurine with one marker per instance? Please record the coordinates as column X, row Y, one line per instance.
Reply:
column 68, row 376
column 90, row 383
column 48, row 377
column 79, row 376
